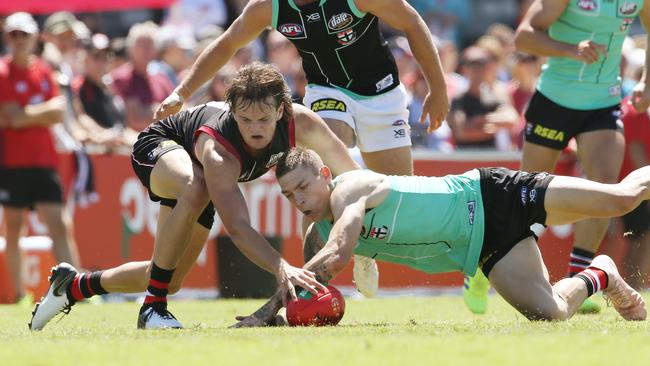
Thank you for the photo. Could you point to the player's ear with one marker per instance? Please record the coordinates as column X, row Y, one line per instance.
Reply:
column 325, row 172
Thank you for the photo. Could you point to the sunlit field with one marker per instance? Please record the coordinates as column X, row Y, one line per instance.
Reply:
column 399, row 331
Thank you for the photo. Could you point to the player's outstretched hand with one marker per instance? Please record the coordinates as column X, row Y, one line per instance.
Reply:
column 640, row 98
column 436, row 107
column 250, row 321
column 289, row 276
column 172, row 104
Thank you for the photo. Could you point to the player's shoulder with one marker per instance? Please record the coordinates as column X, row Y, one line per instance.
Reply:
column 303, row 117
column 354, row 184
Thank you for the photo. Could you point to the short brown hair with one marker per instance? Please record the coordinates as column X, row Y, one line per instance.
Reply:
column 295, row 158
column 256, row 83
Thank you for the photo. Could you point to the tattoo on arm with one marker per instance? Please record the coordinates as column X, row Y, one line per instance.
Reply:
column 313, row 243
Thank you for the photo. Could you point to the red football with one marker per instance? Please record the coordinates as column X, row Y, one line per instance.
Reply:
column 326, row 308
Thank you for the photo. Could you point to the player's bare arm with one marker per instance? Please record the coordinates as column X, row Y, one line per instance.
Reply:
column 640, row 98
column 532, row 35
column 266, row 315
column 400, row 15
column 313, row 133
column 221, row 170
column 313, row 243
column 255, row 17
column 41, row 114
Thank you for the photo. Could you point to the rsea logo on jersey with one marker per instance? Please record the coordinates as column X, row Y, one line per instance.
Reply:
column 339, row 21
column 328, row 105
column 291, row 29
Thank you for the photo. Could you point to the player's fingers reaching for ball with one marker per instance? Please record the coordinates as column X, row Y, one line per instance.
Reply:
column 310, row 278
column 292, row 293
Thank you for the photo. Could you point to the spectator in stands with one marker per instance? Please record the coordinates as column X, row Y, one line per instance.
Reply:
column 118, row 50
column 29, row 105
column 497, row 71
column 141, row 88
column 483, row 116
column 505, row 35
column 61, row 50
column 176, row 52
column 525, row 72
column 456, row 83
column 100, row 112
column 281, row 53
column 438, row 140
column 215, row 90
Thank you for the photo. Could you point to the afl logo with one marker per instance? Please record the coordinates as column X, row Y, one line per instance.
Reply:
column 339, row 21
column 587, row 5
column 291, row 29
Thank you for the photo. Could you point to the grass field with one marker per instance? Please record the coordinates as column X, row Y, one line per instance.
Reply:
column 390, row 331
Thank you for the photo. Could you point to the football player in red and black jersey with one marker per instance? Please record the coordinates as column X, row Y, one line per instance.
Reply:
column 191, row 162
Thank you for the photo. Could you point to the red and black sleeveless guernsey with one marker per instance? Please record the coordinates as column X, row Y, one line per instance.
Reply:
column 215, row 119
column 340, row 46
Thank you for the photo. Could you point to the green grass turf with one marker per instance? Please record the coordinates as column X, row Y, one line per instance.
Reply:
column 392, row 331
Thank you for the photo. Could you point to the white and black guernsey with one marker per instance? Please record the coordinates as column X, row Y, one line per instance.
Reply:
column 340, row 46
column 216, row 120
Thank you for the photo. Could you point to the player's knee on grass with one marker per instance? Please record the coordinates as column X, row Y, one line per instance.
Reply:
column 546, row 314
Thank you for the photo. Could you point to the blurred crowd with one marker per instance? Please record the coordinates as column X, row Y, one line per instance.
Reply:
column 112, row 84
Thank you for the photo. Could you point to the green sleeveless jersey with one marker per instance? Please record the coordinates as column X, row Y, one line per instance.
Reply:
column 576, row 85
column 432, row 224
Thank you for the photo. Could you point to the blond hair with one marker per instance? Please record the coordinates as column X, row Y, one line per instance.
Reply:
column 298, row 157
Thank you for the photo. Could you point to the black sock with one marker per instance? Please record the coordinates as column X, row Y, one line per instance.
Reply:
column 86, row 285
column 158, row 285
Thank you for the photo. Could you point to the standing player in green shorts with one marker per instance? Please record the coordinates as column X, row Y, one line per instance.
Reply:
column 481, row 218
column 578, row 95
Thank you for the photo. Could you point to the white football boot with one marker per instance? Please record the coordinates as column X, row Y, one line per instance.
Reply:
column 156, row 316
column 625, row 299
column 366, row 275
column 56, row 299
